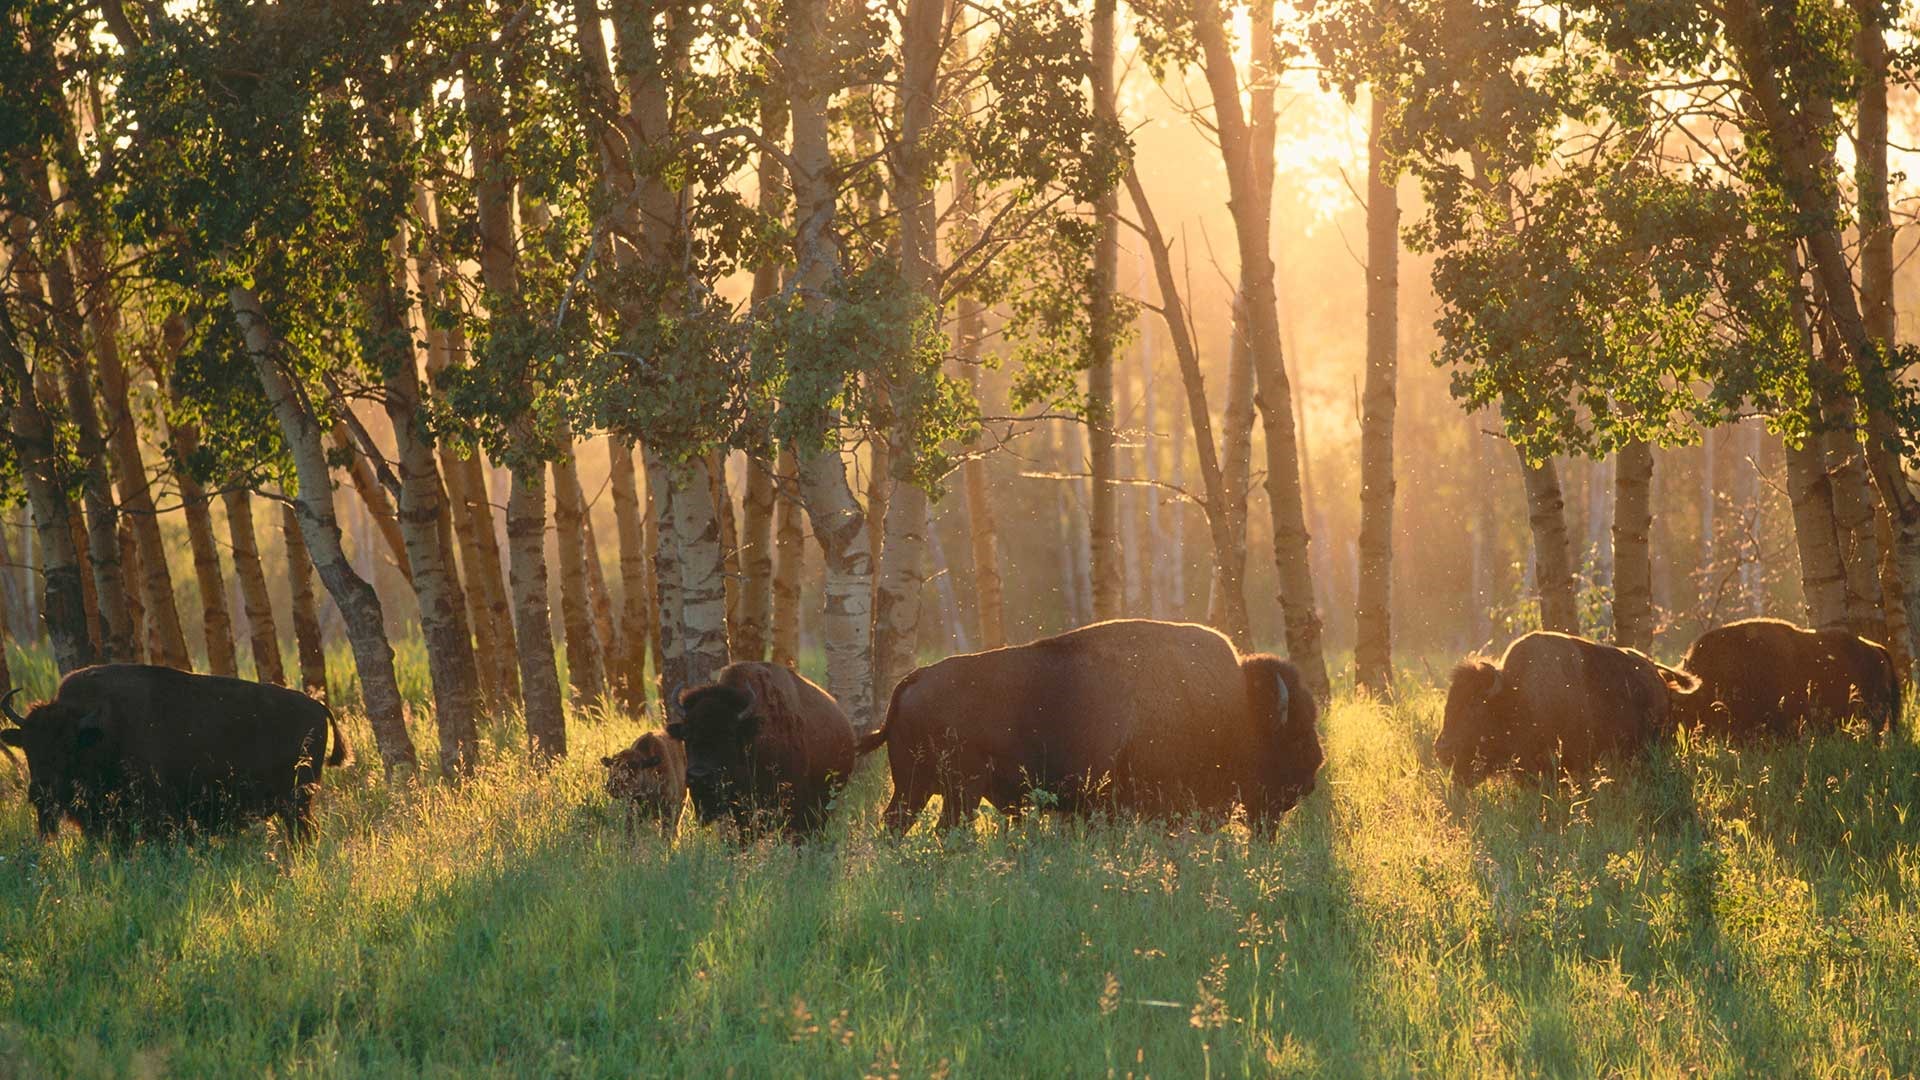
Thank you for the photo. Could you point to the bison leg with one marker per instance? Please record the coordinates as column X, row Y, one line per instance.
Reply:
column 296, row 815
column 906, row 804
column 958, row 804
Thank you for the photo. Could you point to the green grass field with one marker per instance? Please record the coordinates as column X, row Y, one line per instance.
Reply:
column 1716, row 912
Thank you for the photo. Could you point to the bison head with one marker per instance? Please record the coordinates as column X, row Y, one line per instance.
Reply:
column 1471, row 727
column 1286, row 710
column 63, row 746
column 640, row 771
column 718, row 726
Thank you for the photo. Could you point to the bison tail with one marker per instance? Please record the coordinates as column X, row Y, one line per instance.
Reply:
column 873, row 740
column 342, row 749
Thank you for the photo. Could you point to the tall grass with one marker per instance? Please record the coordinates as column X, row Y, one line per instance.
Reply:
column 1715, row 911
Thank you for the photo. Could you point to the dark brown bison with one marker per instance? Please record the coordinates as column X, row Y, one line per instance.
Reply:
column 650, row 778
column 761, row 740
column 1765, row 678
column 1147, row 716
column 124, row 748
column 1555, row 700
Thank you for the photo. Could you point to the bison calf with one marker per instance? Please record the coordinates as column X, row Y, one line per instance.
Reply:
column 762, row 740
column 650, row 777
column 1555, row 699
column 1132, row 714
column 1768, row 678
column 129, row 747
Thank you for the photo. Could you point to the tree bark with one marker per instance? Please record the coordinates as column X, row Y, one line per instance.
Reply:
column 1247, row 149
column 1792, row 126
column 36, row 453
column 1373, row 650
column 722, row 501
column 1632, row 552
column 585, row 676
column 379, row 507
column 102, row 516
column 604, row 627
column 533, row 626
column 1553, row 557
column 788, row 557
column 753, row 635
column 358, row 603
column 427, row 533
column 701, row 634
column 469, row 511
column 628, row 673
column 136, row 606
column 903, row 573
column 1103, row 523
column 1228, row 609
column 839, row 526
column 309, row 647
column 216, row 621
column 262, row 636
column 1853, row 506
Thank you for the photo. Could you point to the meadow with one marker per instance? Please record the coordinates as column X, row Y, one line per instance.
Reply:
column 1712, row 911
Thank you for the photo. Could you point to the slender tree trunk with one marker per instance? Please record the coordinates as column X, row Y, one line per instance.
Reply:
column 1823, row 577
column 1373, row 652
column 1853, row 504
column 102, row 517
column 585, row 676
column 702, row 566
column 533, row 626
column 1794, row 123
column 426, row 531
column 262, row 636
column 216, row 621
column 304, row 607
column 469, row 513
column 752, row 638
column 1553, row 557
column 1103, row 524
column 358, row 603
column 1247, row 148
column 96, row 632
column 722, row 501
column 839, row 526
column 668, row 625
column 788, row 556
column 1632, row 552
column 36, row 454
column 902, row 578
column 136, row 607
column 628, row 674
column 379, row 508
column 1228, row 608
column 130, row 473
column 604, row 627
column 1485, row 556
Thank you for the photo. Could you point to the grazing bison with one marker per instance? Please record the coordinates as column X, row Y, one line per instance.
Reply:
column 651, row 778
column 762, row 740
column 129, row 747
column 1767, row 678
column 1148, row 716
column 1555, row 699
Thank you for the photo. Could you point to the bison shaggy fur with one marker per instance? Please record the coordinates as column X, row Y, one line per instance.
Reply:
column 1146, row 716
column 650, row 779
column 1766, row 678
column 1555, row 700
column 763, row 741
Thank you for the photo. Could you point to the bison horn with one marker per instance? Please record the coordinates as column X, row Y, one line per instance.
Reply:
column 1282, row 697
column 6, row 706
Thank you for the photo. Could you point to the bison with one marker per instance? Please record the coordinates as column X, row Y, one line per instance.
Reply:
column 1766, row 678
column 651, row 778
column 124, row 748
column 1153, row 717
column 1555, row 699
column 761, row 739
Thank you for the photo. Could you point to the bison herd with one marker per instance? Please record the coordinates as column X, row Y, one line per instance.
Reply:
column 1132, row 715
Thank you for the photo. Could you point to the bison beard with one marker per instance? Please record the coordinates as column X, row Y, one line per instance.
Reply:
column 1555, row 700
column 761, row 740
column 1132, row 714
column 650, row 777
column 1765, row 678
column 125, row 748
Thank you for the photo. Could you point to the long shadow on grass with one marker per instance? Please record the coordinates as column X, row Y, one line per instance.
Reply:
column 1627, row 872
